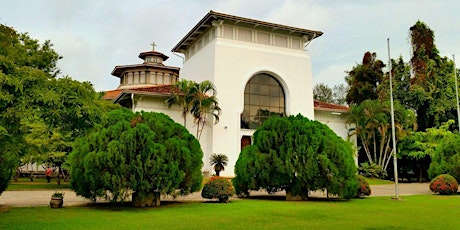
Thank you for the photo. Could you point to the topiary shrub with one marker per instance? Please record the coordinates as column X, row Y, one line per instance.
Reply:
column 364, row 189
column 218, row 187
column 296, row 155
column 444, row 184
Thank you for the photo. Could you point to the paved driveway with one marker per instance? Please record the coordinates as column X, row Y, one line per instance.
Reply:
column 42, row 197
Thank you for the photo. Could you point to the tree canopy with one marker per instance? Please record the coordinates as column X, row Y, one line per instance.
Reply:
column 25, row 66
column 363, row 79
column 199, row 99
column 34, row 101
column 297, row 155
column 372, row 124
column 144, row 152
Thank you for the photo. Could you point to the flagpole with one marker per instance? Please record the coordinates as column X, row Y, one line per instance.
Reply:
column 395, row 160
column 456, row 94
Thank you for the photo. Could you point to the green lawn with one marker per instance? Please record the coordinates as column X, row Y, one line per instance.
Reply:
column 37, row 184
column 413, row 212
column 375, row 181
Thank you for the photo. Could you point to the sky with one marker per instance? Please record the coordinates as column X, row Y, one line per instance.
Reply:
column 94, row 36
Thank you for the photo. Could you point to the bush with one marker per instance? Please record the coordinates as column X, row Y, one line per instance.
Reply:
column 444, row 184
column 364, row 189
column 144, row 152
column 372, row 170
column 446, row 158
column 296, row 155
column 218, row 187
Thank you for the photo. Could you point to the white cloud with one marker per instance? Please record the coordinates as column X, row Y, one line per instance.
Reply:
column 95, row 36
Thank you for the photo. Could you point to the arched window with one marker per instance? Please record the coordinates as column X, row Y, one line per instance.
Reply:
column 263, row 97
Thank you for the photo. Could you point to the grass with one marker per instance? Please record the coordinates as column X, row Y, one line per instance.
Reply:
column 37, row 184
column 413, row 212
column 375, row 181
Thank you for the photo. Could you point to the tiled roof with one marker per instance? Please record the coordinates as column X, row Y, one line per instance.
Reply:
column 153, row 90
column 158, row 90
column 319, row 105
column 111, row 94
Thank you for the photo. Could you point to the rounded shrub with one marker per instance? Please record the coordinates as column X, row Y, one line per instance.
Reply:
column 218, row 187
column 364, row 189
column 444, row 184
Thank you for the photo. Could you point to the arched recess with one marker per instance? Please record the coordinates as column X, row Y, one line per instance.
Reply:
column 264, row 96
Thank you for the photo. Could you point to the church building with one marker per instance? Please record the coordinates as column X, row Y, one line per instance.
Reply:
column 259, row 69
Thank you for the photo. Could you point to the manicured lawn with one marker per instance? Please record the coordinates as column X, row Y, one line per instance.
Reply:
column 413, row 212
column 375, row 181
column 37, row 184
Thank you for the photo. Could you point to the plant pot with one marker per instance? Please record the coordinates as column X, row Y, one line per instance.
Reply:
column 56, row 202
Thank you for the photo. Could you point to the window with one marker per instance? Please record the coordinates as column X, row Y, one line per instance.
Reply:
column 263, row 97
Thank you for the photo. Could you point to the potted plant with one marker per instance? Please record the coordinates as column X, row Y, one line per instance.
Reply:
column 57, row 199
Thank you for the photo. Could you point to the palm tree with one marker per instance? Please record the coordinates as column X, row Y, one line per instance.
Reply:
column 204, row 102
column 182, row 96
column 218, row 161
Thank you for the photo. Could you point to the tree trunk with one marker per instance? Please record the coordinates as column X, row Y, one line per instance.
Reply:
column 59, row 175
column 298, row 197
column 141, row 200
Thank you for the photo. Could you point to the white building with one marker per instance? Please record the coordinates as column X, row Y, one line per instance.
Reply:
column 258, row 68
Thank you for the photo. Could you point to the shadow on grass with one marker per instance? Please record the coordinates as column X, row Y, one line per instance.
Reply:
column 283, row 198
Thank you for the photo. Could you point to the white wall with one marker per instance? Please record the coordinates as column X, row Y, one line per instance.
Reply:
column 230, row 64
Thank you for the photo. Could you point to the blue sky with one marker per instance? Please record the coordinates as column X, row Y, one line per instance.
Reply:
column 94, row 36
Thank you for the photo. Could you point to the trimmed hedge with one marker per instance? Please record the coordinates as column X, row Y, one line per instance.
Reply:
column 218, row 187
column 444, row 184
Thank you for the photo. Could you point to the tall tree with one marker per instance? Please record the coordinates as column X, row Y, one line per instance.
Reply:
column 31, row 93
column 204, row 103
column 431, row 92
column 372, row 124
column 25, row 67
column 322, row 92
column 363, row 79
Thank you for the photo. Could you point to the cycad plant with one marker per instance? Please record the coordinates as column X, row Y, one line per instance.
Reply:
column 219, row 161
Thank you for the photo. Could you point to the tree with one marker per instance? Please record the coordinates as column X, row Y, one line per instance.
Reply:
column 33, row 100
column 297, row 155
column 339, row 94
column 446, row 159
column 419, row 147
column 218, row 161
column 322, row 92
column 363, row 79
column 432, row 85
column 182, row 96
column 204, row 103
column 25, row 66
column 147, row 153
column 372, row 124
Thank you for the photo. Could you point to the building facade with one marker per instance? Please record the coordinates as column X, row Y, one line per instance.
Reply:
column 259, row 69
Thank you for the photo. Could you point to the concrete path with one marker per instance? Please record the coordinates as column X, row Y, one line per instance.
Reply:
column 42, row 197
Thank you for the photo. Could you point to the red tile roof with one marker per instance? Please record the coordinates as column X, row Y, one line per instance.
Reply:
column 111, row 94
column 158, row 90
column 319, row 105
column 154, row 90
